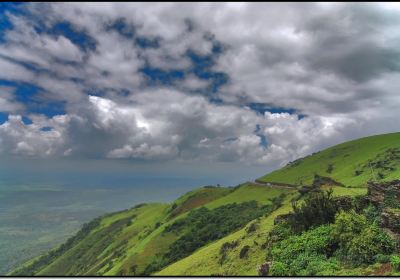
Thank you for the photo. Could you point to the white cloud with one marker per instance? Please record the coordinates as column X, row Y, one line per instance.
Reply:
column 335, row 63
column 8, row 102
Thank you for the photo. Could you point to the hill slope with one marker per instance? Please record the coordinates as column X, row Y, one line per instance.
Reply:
column 352, row 163
column 216, row 230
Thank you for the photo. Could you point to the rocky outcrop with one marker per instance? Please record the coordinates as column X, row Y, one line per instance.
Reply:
column 282, row 218
column 263, row 269
column 379, row 192
column 344, row 203
column 325, row 181
column 390, row 219
column 386, row 195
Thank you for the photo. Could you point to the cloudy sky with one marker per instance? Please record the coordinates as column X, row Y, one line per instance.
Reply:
column 250, row 84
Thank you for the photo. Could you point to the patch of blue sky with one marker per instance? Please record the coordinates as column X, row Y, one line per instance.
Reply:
column 27, row 94
column 3, row 117
column 78, row 37
column 202, row 68
column 157, row 76
column 5, row 24
column 26, row 120
column 49, row 109
column 263, row 139
column 46, row 128
column 129, row 31
column 261, row 108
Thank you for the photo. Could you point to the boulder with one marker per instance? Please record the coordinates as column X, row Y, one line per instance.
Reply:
column 378, row 191
column 390, row 219
column 263, row 269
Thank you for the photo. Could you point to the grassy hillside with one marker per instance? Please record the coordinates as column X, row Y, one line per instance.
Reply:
column 127, row 242
column 231, row 231
column 352, row 163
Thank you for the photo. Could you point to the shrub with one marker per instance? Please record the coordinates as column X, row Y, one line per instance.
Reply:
column 366, row 246
column 304, row 254
column 225, row 248
column 279, row 269
column 329, row 168
column 381, row 258
column 395, row 262
column 372, row 213
column 244, row 251
column 263, row 269
column 202, row 226
column 318, row 208
column 347, row 225
column 253, row 227
column 359, row 241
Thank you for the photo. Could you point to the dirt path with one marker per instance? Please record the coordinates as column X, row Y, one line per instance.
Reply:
column 270, row 185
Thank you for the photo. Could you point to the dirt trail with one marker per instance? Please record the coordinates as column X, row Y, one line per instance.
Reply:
column 270, row 185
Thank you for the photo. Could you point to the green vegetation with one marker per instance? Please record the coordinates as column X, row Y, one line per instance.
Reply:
column 203, row 226
column 322, row 248
column 318, row 208
column 329, row 223
column 352, row 163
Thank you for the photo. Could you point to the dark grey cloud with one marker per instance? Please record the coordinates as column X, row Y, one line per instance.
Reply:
column 338, row 64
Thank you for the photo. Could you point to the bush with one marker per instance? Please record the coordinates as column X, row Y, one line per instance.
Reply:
column 372, row 213
column 329, row 168
column 395, row 262
column 252, row 228
column 304, row 254
column 318, row 208
column 279, row 269
column 225, row 248
column 347, row 225
column 359, row 241
column 202, row 226
column 244, row 251
column 371, row 242
column 380, row 258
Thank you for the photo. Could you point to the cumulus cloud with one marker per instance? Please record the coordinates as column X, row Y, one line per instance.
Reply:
column 8, row 102
column 328, row 71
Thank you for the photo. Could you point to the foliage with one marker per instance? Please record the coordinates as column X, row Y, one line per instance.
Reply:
column 372, row 213
column 244, row 252
column 252, row 227
column 360, row 242
column 304, row 254
column 318, row 208
column 365, row 247
column 395, row 262
column 202, row 226
column 225, row 248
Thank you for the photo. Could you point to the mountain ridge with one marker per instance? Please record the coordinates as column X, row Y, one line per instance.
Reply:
column 138, row 241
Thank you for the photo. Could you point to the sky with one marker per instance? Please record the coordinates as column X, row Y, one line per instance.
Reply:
column 250, row 85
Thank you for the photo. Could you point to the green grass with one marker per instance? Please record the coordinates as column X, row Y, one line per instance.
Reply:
column 126, row 242
column 345, row 158
column 205, row 261
column 196, row 198
column 247, row 192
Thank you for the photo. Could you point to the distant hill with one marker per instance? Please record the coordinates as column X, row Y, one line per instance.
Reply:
column 233, row 231
column 352, row 163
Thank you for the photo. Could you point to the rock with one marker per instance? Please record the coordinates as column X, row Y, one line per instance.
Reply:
column 379, row 191
column 344, row 202
column 390, row 219
column 306, row 189
column 325, row 181
column 282, row 218
column 263, row 269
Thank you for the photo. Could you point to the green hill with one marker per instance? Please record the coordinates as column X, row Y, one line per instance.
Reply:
column 232, row 231
column 352, row 163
